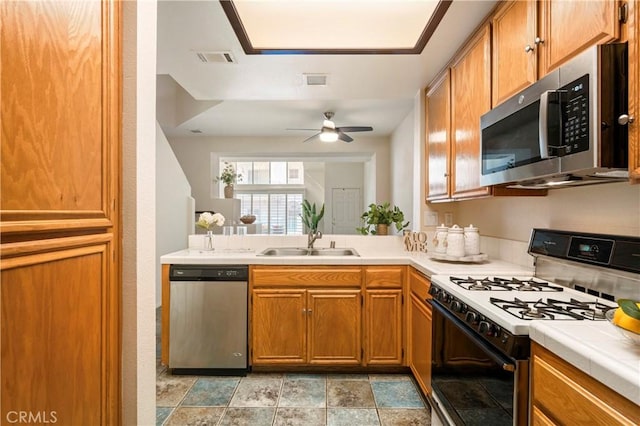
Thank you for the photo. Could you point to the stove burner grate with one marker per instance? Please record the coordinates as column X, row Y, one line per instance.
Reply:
column 552, row 309
column 503, row 284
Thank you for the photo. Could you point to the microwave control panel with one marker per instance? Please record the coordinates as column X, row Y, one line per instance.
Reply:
column 575, row 117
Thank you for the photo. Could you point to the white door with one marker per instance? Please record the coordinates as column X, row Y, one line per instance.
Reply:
column 346, row 210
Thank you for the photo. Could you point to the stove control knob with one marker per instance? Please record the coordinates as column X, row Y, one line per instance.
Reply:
column 471, row 317
column 505, row 337
column 486, row 327
column 456, row 305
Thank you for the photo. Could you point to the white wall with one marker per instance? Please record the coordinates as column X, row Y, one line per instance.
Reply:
column 138, row 212
column 608, row 208
column 402, row 173
column 195, row 155
column 174, row 205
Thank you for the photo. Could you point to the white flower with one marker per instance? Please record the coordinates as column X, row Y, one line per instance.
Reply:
column 207, row 220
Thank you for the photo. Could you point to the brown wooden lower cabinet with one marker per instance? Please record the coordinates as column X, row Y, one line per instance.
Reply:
column 420, row 330
column 302, row 326
column 383, row 327
column 561, row 394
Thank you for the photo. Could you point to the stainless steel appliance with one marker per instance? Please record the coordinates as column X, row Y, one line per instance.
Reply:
column 569, row 128
column 208, row 319
column 480, row 335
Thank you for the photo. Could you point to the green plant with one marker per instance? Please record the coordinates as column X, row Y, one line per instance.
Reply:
column 382, row 214
column 310, row 216
column 229, row 175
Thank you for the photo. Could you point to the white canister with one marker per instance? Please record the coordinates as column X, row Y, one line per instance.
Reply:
column 439, row 240
column 471, row 241
column 455, row 241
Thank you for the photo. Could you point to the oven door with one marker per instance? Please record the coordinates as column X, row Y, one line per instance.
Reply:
column 473, row 382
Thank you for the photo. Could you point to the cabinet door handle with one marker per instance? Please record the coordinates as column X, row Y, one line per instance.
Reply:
column 309, row 311
column 538, row 41
column 528, row 48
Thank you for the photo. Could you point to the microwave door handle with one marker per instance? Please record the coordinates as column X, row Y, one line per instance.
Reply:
column 543, row 123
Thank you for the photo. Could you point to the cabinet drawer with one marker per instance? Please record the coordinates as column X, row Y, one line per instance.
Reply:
column 566, row 395
column 306, row 276
column 419, row 284
column 384, row 276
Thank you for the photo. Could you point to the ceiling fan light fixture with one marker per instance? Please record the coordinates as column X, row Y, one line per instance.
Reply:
column 329, row 135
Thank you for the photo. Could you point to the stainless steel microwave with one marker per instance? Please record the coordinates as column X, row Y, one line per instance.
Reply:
column 569, row 128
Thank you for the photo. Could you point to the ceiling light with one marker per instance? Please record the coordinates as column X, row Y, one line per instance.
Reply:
column 328, row 135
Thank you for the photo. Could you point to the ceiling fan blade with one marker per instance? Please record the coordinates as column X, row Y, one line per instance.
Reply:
column 354, row 128
column 304, row 129
column 311, row 138
column 344, row 137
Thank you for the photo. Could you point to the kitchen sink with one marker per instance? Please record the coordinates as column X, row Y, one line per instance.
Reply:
column 301, row 251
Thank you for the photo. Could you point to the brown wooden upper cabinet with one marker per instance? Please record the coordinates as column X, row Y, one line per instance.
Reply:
column 454, row 105
column 531, row 38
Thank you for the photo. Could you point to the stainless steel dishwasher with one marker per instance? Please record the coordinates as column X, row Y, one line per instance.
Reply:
column 208, row 319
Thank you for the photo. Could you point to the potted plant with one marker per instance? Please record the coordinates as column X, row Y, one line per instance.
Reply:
column 378, row 218
column 229, row 177
column 311, row 216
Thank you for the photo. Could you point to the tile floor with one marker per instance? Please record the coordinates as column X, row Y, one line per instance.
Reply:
column 288, row 399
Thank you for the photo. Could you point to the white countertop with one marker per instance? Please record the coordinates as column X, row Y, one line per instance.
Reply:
column 596, row 348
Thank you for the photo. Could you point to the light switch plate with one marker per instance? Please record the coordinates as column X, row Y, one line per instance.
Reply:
column 448, row 219
column 430, row 218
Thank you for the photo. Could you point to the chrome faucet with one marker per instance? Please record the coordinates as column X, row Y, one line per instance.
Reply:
column 313, row 236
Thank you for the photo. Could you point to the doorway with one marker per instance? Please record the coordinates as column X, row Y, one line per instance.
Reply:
column 346, row 208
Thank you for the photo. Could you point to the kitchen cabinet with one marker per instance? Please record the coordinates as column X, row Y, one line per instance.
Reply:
column 438, row 129
column 562, row 394
column 383, row 313
column 454, row 103
column 305, row 315
column 634, row 91
column 419, row 326
column 470, row 98
column 532, row 38
column 60, row 226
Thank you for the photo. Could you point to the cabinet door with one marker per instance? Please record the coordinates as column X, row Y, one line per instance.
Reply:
column 60, row 235
column 278, row 327
column 514, row 68
column 634, row 91
column 568, row 27
column 420, row 352
column 470, row 98
column 438, row 137
column 383, row 316
column 334, row 324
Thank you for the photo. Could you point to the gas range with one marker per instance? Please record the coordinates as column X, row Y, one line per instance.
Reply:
column 578, row 277
column 501, row 312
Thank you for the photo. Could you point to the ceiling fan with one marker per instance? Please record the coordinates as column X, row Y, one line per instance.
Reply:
column 330, row 133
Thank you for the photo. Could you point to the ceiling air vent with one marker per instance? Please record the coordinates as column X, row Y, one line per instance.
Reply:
column 216, row 57
column 195, row 131
column 315, row 79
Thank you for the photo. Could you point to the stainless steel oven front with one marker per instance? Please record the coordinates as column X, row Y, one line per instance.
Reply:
column 472, row 381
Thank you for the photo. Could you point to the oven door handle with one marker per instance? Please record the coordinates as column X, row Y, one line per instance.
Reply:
column 506, row 363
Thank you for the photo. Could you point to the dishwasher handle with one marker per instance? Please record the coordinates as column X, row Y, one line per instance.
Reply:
column 208, row 273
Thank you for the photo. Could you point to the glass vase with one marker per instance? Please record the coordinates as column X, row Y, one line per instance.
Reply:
column 208, row 241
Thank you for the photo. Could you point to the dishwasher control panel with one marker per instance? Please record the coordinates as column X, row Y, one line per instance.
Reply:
column 209, row 273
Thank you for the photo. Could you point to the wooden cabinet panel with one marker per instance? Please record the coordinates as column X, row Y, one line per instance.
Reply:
column 383, row 316
column 514, row 28
column 568, row 27
column 470, row 98
column 634, row 90
column 306, row 276
column 60, row 173
column 567, row 396
column 60, row 115
column 58, row 335
column 420, row 346
column 278, row 326
column 384, row 276
column 539, row 419
column 419, row 284
column 334, row 326
column 438, row 137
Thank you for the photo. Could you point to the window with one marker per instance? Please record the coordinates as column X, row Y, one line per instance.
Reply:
column 279, row 212
column 268, row 172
